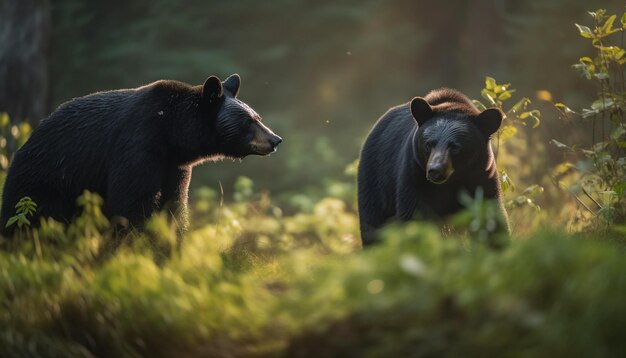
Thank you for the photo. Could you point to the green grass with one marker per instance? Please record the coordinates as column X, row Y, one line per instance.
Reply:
column 252, row 282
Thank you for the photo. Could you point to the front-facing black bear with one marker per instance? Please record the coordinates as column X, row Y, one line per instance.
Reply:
column 421, row 155
column 134, row 147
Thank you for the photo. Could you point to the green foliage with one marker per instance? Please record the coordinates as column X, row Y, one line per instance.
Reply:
column 516, row 116
column 601, row 168
column 483, row 220
column 419, row 295
column 252, row 284
column 12, row 137
column 25, row 207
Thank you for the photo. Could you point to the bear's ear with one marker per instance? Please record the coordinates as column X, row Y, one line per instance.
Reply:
column 489, row 121
column 212, row 89
column 421, row 110
column 232, row 83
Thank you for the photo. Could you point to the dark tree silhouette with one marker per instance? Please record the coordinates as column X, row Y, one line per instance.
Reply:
column 24, row 38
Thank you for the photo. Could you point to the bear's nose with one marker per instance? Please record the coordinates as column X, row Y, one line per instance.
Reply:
column 276, row 141
column 436, row 174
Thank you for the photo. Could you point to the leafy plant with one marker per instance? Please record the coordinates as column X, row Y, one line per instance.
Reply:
column 12, row 137
column 518, row 115
column 24, row 208
column 483, row 220
column 600, row 184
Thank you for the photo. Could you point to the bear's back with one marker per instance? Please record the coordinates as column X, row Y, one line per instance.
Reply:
column 86, row 132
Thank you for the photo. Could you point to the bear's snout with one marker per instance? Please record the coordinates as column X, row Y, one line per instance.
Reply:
column 439, row 166
column 276, row 141
column 264, row 141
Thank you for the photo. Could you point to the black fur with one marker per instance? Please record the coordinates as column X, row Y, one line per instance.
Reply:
column 134, row 147
column 420, row 155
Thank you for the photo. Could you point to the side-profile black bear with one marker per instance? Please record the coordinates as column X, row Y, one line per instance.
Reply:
column 134, row 147
column 421, row 155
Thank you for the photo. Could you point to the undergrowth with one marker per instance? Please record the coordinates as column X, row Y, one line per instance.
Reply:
column 257, row 283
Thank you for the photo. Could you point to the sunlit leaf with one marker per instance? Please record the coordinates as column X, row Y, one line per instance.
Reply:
column 618, row 133
column 520, row 105
column 564, row 108
column 507, row 132
column 504, row 96
column 601, row 104
column 534, row 114
column 507, row 183
column 536, row 120
column 563, row 168
column 585, row 31
column 601, row 75
column 533, row 190
column 488, row 97
column 607, row 28
column 589, row 113
column 559, row 144
column 481, row 107
column 490, row 83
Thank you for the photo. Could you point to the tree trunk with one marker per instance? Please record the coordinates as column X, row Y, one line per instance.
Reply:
column 24, row 39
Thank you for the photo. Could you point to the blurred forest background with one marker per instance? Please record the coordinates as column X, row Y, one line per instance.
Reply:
column 320, row 73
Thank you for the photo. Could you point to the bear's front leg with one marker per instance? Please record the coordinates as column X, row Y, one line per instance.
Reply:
column 174, row 194
column 411, row 202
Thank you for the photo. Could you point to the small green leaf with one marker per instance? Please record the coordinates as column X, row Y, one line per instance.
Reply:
column 589, row 112
column 11, row 221
column 488, row 97
column 481, row 107
column 559, row 144
column 507, row 183
column 507, row 132
column 520, row 105
column 618, row 133
column 585, row 31
column 601, row 104
column 536, row 120
column 563, row 168
column 23, row 221
column 608, row 25
column 504, row 96
column 533, row 190
column 564, row 108
column 623, row 20
column 490, row 83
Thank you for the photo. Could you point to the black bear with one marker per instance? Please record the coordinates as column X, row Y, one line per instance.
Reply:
column 420, row 156
column 134, row 147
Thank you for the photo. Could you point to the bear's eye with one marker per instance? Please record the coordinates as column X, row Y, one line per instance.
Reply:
column 455, row 147
column 429, row 145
